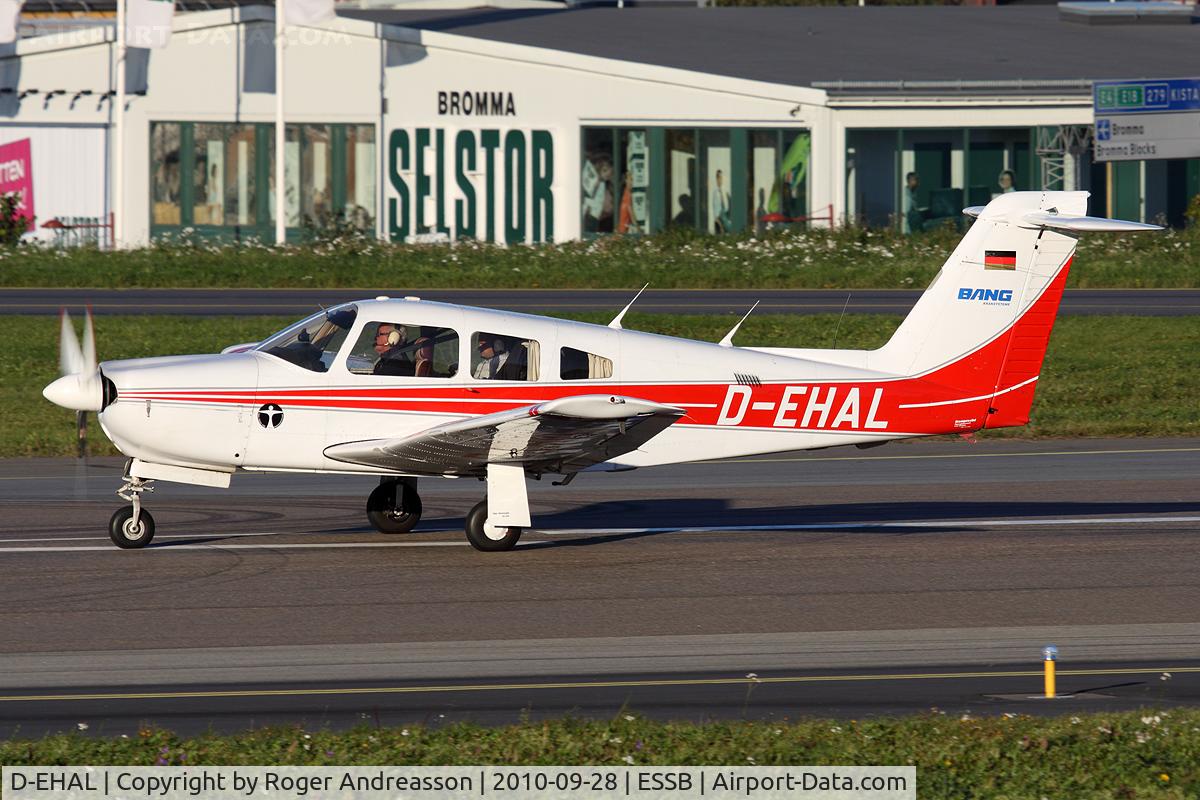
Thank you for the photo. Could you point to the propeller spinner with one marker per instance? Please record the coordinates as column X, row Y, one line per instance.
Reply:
column 81, row 386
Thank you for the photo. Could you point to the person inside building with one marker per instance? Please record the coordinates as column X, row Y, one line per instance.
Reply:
column 1007, row 182
column 722, row 223
column 914, row 216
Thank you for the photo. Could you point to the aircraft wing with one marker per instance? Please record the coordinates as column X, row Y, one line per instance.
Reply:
column 564, row 435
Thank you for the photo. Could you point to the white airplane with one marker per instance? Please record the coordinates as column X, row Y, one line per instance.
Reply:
column 408, row 388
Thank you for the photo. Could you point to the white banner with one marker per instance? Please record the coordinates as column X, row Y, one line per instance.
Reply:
column 148, row 23
column 10, row 13
column 460, row 783
column 307, row 12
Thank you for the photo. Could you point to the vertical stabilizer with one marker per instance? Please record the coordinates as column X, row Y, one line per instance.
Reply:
column 982, row 327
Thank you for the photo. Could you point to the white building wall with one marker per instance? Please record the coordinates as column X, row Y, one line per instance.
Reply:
column 220, row 67
column 68, row 164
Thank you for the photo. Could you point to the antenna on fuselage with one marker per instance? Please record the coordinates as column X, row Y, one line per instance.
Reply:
column 728, row 340
column 616, row 323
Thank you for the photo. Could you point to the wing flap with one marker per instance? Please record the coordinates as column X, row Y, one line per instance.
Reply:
column 563, row 435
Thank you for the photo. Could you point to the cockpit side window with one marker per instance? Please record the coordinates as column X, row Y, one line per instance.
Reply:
column 397, row 348
column 577, row 365
column 314, row 342
column 499, row 357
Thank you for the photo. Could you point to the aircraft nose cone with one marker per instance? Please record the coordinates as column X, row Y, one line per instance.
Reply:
column 74, row 392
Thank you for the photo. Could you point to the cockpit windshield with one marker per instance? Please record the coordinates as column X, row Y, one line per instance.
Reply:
column 314, row 342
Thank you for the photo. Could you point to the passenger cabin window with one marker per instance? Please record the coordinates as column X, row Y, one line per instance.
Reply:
column 497, row 357
column 576, row 365
column 398, row 348
column 314, row 342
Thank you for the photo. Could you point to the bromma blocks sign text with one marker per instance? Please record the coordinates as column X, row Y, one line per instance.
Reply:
column 489, row 184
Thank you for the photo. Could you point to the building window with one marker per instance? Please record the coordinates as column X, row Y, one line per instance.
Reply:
column 716, row 180
column 359, row 207
column 716, row 210
column 681, row 178
column 596, row 180
column 165, row 155
column 208, row 176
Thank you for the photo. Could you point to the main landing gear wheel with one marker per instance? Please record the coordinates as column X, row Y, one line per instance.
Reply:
column 125, row 534
column 394, row 507
column 487, row 537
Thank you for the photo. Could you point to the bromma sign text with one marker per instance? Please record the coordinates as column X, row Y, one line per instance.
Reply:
column 486, row 184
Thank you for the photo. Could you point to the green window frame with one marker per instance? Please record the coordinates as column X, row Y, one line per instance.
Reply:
column 337, row 163
column 707, row 144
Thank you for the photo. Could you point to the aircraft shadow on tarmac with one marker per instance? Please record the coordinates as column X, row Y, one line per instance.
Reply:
column 620, row 520
column 656, row 517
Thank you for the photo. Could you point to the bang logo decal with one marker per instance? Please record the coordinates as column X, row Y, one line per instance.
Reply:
column 989, row 297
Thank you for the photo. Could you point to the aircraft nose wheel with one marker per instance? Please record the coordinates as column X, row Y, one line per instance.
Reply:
column 127, row 534
column 394, row 506
column 487, row 537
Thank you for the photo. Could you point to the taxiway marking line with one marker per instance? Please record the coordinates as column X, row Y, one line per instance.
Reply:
column 753, row 459
column 766, row 528
column 662, row 682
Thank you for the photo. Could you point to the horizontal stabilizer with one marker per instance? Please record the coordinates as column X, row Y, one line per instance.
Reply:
column 1066, row 222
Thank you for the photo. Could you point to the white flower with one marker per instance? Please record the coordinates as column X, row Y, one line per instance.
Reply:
column 1154, row 720
column 1142, row 737
column 628, row 718
column 751, row 760
column 965, row 718
column 628, row 759
column 835, row 729
column 615, row 740
column 404, row 732
column 1009, row 715
column 83, row 726
column 1075, row 720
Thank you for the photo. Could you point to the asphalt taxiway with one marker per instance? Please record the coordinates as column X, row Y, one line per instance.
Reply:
column 297, row 302
column 843, row 582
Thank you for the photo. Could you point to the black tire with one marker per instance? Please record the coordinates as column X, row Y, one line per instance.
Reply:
column 123, row 534
column 479, row 538
column 383, row 513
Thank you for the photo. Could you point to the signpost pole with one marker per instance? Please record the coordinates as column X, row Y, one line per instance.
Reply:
column 118, row 141
column 280, row 133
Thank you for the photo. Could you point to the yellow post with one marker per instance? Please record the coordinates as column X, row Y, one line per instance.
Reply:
column 1049, row 658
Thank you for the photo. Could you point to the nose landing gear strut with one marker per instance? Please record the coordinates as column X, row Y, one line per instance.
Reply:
column 132, row 526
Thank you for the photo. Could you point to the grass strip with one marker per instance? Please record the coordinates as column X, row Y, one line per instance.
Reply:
column 843, row 258
column 1104, row 376
column 1094, row 755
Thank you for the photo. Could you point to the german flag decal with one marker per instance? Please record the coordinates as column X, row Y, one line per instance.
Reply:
column 1000, row 259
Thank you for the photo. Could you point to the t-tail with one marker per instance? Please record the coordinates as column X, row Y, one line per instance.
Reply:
column 981, row 329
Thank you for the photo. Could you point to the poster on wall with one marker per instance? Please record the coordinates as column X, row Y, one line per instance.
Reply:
column 637, row 180
column 16, row 177
column 214, row 183
column 763, row 184
column 291, row 170
column 718, row 219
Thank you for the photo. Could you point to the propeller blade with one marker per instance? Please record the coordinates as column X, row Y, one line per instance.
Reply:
column 89, row 342
column 70, row 357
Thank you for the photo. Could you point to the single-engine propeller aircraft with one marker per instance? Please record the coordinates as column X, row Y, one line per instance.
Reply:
column 407, row 388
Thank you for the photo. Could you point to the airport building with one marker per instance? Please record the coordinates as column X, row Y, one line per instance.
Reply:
column 546, row 124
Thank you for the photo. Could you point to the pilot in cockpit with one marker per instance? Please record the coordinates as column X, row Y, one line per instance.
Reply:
column 391, row 343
